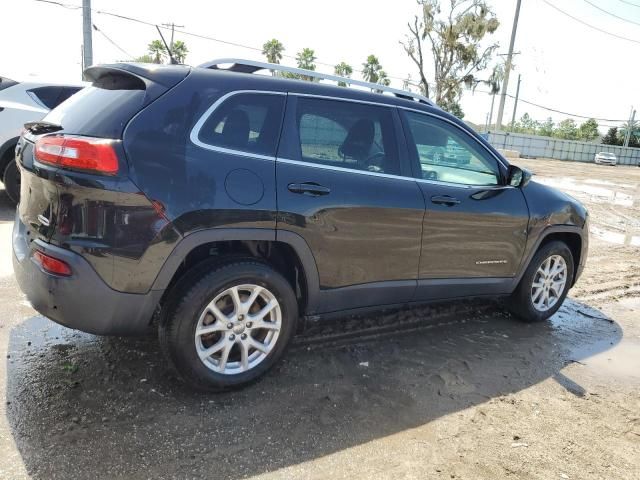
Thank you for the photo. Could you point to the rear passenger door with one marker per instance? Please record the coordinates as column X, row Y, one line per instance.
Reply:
column 475, row 226
column 344, row 185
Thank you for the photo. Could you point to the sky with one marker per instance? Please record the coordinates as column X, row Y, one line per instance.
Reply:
column 563, row 64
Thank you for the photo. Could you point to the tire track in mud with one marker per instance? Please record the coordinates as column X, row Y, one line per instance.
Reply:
column 363, row 329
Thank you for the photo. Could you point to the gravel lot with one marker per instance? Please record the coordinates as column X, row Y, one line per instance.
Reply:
column 456, row 391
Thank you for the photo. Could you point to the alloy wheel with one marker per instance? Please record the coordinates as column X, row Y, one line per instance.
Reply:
column 549, row 283
column 238, row 329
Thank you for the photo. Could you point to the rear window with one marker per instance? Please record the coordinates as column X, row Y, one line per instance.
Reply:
column 98, row 112
column 52, row 96
column 247, row 122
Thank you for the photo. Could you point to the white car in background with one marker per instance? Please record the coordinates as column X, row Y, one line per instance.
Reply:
column 22, row 102
column 605, row 158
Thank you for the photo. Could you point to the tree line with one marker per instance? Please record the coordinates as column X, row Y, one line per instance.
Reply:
column 615, row 135
column 587, row 131
column 567, row 129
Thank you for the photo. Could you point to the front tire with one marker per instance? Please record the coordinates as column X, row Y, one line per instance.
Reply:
column 228, row 324
column 545, row 283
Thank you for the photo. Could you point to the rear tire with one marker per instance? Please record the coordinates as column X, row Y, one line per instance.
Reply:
column 212, row 332
column 11, row 180
column 539, row 295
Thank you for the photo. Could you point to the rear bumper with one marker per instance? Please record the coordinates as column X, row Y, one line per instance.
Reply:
column 82, row 301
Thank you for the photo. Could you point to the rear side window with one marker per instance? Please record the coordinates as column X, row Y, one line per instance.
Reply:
column 247, row 122
column 348, row 135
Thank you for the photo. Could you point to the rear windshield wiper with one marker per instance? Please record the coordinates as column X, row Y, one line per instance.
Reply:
column 40, row 127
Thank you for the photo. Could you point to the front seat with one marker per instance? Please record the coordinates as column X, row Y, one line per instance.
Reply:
column 235, row 133
column 358, row 142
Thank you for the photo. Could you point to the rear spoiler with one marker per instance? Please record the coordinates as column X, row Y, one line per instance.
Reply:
column 155, row 80
column 133, row 73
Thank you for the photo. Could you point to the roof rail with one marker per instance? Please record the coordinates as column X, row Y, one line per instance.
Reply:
column 251, row 66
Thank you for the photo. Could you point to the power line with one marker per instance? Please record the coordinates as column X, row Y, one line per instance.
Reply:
column 630, row 3
column 191, row 34
column 520, row 99
column 95, row 27
column 589, row 25
column 63, row 5
column 612, row 14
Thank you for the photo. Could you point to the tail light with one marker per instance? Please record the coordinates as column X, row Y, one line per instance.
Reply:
column 81, row 153
column 52, row 265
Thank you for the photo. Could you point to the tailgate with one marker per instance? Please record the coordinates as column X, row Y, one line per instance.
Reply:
column 49, row 210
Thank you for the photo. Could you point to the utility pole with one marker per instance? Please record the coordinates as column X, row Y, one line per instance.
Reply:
column 508, row 65
column 627, row 135
column 173, row 26
column 87, row 44
column 493, row 100
column 515, row 104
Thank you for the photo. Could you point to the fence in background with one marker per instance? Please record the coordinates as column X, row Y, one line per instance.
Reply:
column 547, row 147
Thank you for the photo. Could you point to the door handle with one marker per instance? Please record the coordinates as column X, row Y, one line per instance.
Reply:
column 445, row 200
column 309, row 188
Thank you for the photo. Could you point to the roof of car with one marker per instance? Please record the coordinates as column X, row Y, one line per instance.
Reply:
column 282, row 84
column 255, row 81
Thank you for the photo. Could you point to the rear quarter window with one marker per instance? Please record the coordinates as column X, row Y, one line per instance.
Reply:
column 245, row 122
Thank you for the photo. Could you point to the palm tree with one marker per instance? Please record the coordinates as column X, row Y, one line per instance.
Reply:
column 306, row 59
column 383, row 79
column 273, row 50
column 157, row 51
column 343, row 70
column 632, row 126
column 179, row 51
column 371, row 69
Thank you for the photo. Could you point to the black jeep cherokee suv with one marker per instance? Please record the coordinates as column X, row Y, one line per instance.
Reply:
column 222, row 206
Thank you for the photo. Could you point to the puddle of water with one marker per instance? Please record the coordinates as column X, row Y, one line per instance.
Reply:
column 591, row 192
column 615, row 237
column 622, row 361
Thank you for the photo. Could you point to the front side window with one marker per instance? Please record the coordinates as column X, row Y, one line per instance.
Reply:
column 448, row 155
column 348, row 135
column 248, row 122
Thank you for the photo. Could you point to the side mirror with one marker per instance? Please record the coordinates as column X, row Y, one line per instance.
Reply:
column 518, row 177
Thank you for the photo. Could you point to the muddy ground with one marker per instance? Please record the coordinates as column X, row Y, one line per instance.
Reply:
column 459, row 391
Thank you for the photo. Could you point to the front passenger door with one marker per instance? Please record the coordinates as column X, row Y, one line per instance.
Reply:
column 475, row 226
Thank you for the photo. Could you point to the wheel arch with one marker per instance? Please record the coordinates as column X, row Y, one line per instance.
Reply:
column 287, row 253
column 571, row 235
column 5, row 150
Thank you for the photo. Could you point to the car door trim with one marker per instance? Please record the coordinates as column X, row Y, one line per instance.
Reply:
column 388, row 175
column 195, row 131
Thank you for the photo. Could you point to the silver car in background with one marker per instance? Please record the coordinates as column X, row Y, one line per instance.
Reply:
column 605, row 158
